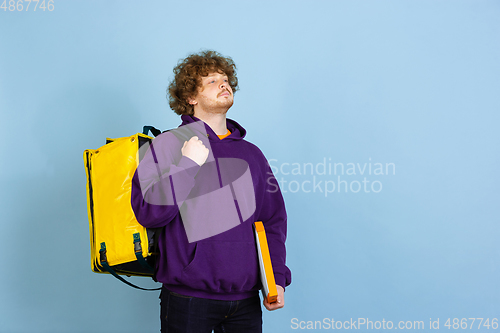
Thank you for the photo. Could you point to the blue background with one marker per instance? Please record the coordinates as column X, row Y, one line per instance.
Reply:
column 413, row 83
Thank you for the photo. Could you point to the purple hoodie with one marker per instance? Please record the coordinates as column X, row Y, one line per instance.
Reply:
column 207, row 248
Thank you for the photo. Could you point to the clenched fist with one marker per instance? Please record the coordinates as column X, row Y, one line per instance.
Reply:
column 195, row 150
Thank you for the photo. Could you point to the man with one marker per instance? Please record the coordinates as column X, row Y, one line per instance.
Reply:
column 205, row 185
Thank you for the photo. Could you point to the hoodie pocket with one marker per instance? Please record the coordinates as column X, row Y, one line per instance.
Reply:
column 223, row 267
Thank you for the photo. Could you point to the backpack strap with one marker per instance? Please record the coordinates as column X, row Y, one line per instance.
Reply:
column 138, row 253
column 105, row 265
column 151, row 129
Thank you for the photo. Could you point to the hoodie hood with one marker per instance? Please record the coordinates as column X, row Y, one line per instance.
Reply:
column 237, row 131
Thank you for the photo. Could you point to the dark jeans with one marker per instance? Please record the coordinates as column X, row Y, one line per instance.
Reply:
column 186, row 314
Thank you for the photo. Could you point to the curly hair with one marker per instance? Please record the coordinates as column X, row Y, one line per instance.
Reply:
column 188, row 74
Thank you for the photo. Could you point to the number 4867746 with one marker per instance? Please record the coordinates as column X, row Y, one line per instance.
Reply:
column 25, row 5
column 469, row 323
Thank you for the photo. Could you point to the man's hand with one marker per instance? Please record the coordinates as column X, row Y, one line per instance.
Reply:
column 280, row 302
column 195, row 150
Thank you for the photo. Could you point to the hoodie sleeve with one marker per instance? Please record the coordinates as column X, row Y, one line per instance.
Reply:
column 162, row 182
column 273, row 215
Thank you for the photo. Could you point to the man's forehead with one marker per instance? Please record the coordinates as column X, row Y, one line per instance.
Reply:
column 215, row 74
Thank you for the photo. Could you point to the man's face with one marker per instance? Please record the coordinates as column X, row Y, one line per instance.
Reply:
column 215, row 94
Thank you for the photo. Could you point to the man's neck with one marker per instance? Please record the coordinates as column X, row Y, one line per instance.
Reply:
column 216, row 121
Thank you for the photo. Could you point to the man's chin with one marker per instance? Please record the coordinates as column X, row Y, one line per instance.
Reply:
column 223, row 108
column 218, row 108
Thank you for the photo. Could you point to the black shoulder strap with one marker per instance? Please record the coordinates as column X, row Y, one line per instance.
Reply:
column 151, row 129
column 182, row 133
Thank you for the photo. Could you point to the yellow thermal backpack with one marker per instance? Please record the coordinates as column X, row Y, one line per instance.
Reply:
column 119, row 245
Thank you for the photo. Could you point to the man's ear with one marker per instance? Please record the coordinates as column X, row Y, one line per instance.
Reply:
column 192, row 101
